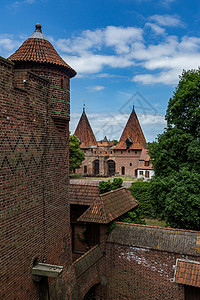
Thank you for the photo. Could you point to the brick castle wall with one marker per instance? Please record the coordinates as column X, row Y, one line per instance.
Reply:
column 34, row 182
column 141, row 260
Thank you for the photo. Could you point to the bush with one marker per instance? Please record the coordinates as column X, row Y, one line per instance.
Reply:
column 140, row 191
column 106, row 186
column 132, row 216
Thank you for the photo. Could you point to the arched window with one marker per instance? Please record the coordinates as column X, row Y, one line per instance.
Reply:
column 111, row 167
column 96, row 167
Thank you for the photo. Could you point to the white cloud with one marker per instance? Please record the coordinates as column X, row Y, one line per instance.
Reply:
column 19, row 3
column 167, row 20
column 167, row 3
column 155, row 28
column 121, row 38
column 8, row 44
column 97, row 88
column 84, row 52
column 93, row 63
column 105, row 49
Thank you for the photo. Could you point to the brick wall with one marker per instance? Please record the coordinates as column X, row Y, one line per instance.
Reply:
column 141, row 260
column 34, row 183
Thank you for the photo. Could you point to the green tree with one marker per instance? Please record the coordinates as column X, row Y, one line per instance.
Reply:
column 175, row 156
column 183, row 110
column 182, row 209
column 76, row 155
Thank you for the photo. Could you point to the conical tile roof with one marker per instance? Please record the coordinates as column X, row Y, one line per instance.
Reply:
column 132, row 134
column 84, row 132
column 39, row 50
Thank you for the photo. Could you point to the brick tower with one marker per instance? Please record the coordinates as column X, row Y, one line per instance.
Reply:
column 34, row 165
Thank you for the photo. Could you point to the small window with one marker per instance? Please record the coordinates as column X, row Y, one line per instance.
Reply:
column 147, row 174
column 141, row 172
column 111, row 152
column 121, row 152
column 129, row 151
column 146, row 163
column 85, row 169
column 130, row 164
column 135, row 152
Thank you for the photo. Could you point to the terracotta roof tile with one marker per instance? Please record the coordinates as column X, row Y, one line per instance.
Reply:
column 109, row 206
column 38, row 49
column 133, row 132
column 84, row 132
column 187, row 272
column 83, row 194
column 144, row 157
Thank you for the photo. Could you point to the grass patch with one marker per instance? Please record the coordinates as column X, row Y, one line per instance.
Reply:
column 76, row 176
column 124, row 178
column 154, row 222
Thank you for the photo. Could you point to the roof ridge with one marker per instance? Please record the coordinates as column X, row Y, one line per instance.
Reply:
column 112, row 191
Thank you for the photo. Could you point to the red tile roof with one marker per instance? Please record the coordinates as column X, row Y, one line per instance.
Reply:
column 187, row 272
column 83, row 194
column 144, row 156
column 109, row 206
column 84, row 132
column 134, row 132
column 38, row 49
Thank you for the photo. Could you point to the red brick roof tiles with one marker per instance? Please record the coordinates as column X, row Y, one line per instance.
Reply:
column 187, row 272
column 38, row 49
column 109, row 206
column 84, row 132
column 144, row 156
column 83, row 194
column 134, row 132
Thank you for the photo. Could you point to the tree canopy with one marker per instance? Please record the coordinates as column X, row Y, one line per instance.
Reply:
column 76, row 155
column 183, row 110
column 174, row 190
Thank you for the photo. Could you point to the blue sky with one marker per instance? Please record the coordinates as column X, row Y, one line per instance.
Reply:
column 126, row 52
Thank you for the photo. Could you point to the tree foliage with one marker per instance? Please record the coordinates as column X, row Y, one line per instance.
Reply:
column 106, row 186
column 183, row 110
column 174, row 190
column 140, row 191
column 76, row 155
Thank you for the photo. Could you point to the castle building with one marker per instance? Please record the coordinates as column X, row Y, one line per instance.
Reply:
column 129, row 157
column 42, row 215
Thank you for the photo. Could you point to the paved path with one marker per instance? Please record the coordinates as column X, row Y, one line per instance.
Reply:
column 95, row 182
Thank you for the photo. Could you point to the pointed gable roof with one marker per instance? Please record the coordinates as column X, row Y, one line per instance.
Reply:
column 38, row 49
column 132, row 134
column 84, row 132
column 109, row 206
